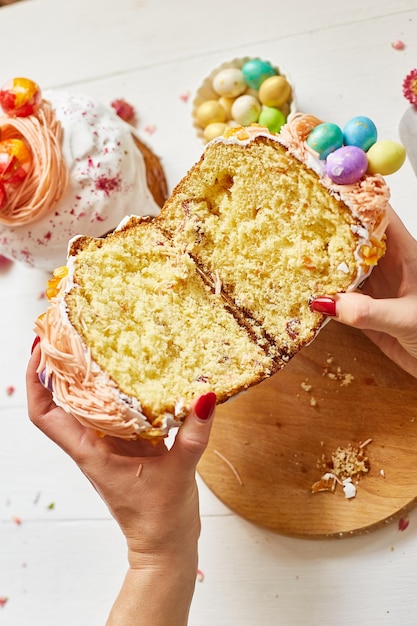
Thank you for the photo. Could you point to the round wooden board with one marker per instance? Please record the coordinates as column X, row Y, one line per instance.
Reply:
column 275, row 438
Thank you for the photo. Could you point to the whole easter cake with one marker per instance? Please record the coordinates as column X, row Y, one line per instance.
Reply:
column 68, row 165
column 214, row 293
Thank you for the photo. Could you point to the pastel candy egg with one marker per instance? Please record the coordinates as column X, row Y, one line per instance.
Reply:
column 272, row 118
column 360, row 131
column 346, row 165
column 227, row 104
column 214, row 130
column 325, row 138
column 385, row 157
column 246, row 110
column 275, row 91
column 45, row 383
column 229, row 82
column 15, row 160
column 255, row 71
column 20, row 97
column 209, row 112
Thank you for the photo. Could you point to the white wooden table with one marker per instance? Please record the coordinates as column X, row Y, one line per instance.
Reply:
column 61, row 555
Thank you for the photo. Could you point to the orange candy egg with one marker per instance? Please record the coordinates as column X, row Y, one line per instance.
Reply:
column 20, row 97
column 15, row 161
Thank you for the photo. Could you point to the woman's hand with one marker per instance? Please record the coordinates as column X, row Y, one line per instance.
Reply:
column 150, row 491
column 386, row 308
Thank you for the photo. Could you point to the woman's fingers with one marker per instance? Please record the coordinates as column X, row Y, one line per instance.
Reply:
column 58, row 425
column 393, row 316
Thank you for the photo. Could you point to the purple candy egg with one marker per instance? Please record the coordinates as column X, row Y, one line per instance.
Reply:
column 346, row 165
column 42, row 378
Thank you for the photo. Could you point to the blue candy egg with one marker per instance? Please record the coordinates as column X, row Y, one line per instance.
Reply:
column 325, row 138
column 346, row 165
column 256, row 71
column 360, row 131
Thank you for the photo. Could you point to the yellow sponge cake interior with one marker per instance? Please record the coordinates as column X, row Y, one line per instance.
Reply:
column 154, row 325
column 258, row 219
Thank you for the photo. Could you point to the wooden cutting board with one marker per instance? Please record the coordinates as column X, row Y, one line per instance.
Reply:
column 268, row 443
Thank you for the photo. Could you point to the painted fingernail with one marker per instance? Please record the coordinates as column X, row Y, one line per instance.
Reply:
column 204, row 407
column 324, row 305
column 35, row 343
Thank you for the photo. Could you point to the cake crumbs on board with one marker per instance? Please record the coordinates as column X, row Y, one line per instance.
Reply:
column 345, row 464
column 335, row 373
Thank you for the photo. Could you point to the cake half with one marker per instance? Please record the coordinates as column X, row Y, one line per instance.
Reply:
column 214, row 293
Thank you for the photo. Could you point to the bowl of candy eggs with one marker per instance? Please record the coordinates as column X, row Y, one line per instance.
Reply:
column 242, row 92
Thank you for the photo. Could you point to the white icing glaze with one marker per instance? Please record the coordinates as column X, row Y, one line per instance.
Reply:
column 107, row 180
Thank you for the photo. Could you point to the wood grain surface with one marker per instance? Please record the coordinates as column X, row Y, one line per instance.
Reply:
column 268, row 444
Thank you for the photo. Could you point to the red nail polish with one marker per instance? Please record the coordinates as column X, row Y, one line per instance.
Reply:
column 35, row 343
column 324, row 305
column 204, row 407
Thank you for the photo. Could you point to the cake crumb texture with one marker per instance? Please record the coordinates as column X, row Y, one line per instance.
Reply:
column 274, row 234
column 153, row 324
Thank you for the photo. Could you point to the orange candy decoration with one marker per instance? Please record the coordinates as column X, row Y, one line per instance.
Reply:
column 15, row 161
column 20, row 97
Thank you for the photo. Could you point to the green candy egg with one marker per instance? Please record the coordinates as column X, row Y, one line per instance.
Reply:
column 325, row 138
column 385, row 157
column 272, row 118
column 255, row 71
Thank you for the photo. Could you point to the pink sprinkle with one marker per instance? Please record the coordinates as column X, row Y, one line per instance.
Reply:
column 108, row 184
column 42, row 295
column 3, row 601
column 10, row 390
column 185, row 96
column 17, row 520
column 123, row 109
column 200, row 576
column 403, row 523
column 150, row 129
column 398, row 45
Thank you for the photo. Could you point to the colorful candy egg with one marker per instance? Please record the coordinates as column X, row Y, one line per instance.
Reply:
column 346, row 165
column 360, row 131
column 227, row 104
column 20, row 97
column 209, row 112
column 272, row 118
column 325, row 138
column 246, row 110
column 385, row 157
column 45, row 383
column 214, row 130
column 275, row 91
column 15, row 160
column 255, row 71
column 229, row 82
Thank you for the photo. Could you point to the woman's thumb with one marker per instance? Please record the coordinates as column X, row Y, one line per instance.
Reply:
column 390, row 315
column 193, row 436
